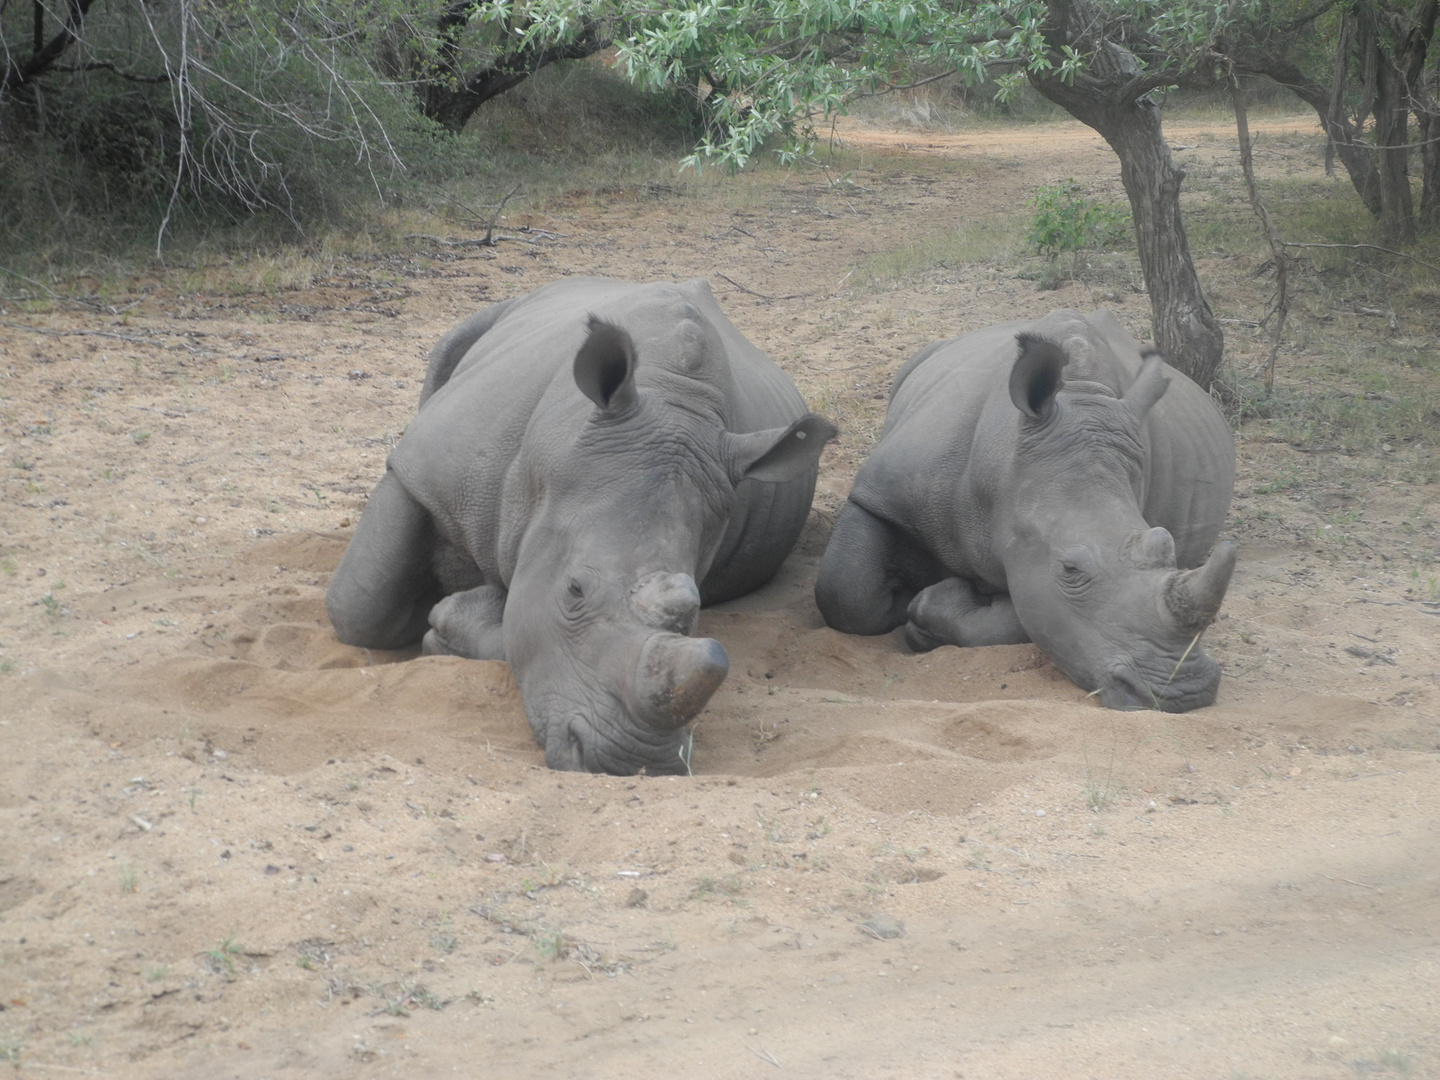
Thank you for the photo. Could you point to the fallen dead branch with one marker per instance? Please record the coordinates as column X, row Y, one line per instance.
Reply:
column 762, row 296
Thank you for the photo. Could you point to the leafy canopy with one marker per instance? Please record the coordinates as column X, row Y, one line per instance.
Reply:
column 769, row 67
column 766, row 67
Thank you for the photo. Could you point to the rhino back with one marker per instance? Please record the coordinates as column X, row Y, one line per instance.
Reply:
column 947, row 449
column 518, row 371
column 1190, row 452
column 941, row 466
column 768, row 517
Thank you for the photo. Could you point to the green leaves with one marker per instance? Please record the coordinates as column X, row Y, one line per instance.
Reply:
column 772, row 68
column 1067, row 221
column 777, row 66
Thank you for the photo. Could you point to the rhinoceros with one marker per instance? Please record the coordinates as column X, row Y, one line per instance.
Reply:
column 1048, row 482
column 581, row 458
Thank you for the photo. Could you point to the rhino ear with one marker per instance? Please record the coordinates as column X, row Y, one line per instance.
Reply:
column 1149, row 386
column 605, row 367
column 778, row 454
column 1035, row 378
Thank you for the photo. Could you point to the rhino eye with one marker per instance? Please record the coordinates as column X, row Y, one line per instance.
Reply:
column 1077, row 563
column 576, row 591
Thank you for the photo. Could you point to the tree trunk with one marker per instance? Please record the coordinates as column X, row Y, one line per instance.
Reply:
column 1184, row 326
column 450, row 99
column 1394, row 46
column 1427, row 113
column 1345, row 137
column 1392, row 138
column 15, row 74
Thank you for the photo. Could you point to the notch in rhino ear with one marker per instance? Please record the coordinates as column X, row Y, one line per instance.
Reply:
column 778, row 454
column 1149, row 386
column 1035, row 378
column 605, row 366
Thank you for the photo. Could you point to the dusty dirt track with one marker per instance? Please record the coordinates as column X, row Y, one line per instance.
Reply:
column 230, row 846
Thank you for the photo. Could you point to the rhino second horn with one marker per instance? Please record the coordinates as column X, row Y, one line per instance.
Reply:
column 676, row 676
column 1153, row 549
column 1194, row 596
column 668, row 602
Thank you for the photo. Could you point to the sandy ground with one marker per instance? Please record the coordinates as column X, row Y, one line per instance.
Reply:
column 230, row 846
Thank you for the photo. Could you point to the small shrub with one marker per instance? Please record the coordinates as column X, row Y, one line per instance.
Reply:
column 1067, row 221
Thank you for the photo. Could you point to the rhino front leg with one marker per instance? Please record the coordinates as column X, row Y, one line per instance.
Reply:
column 952, row 612
column 468, row 624
column 384, row 587
column 865, row 581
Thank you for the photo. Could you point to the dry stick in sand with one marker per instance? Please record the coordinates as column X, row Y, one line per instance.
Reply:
column 1277, row 246
column 489, row 239
column 762, row 296
column 1347, row 881
column 833, row 186
column 490, row 228
column 764, row 1055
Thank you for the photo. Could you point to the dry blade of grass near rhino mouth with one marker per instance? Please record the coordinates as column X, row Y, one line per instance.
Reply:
column 1174, row 671
column 686, row 753
column 1193, row 642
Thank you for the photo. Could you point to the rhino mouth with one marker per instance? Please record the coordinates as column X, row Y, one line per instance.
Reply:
column 1180, row 687
column 602, row 737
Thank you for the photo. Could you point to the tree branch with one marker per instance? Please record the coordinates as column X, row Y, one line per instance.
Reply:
column 110, row 65
column 44, row 56
column 1272, row 236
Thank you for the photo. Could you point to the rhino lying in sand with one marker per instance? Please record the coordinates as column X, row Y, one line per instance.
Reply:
column 1045, row 482
column 582, row 457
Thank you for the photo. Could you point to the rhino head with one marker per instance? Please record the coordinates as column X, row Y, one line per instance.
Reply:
column 612, row 513
column 1093, row 584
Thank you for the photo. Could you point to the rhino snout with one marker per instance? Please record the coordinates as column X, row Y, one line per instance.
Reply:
column 675, row 677
column 1192, row 685
column 668, row 602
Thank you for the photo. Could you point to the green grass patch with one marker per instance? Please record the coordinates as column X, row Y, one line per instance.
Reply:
column 980, row 241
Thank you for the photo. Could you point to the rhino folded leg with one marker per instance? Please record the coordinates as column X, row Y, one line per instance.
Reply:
column 864, row 584
column 384, row 586
column 952, row 612
column 468, row 624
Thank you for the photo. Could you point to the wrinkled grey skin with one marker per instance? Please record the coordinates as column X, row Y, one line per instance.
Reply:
column 581, row 458
column 1045, row 482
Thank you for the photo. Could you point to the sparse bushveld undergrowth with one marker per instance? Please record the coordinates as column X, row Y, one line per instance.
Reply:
column 571, row 127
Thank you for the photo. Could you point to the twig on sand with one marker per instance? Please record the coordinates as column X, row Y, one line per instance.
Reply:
column 1347, row 881
column 65, row 1068
column 762, row 296
column 468, row 241
column 490, row 228
column 764, row 1055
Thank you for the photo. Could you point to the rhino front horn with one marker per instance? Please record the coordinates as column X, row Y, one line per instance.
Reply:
column 676, row 676
column 1194, row 596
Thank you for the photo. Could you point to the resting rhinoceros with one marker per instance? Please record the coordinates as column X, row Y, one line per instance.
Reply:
column 581, row 457
column 1006, row 503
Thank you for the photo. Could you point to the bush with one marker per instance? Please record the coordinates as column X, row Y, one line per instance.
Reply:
column 1067, row 221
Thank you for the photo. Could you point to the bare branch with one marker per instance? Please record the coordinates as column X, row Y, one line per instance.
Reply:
column 1272, row 235
column 1367, row 247
column 110, row 65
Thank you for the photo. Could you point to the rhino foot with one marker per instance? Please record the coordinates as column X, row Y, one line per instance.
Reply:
column 953, row 612
column 468, row 624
